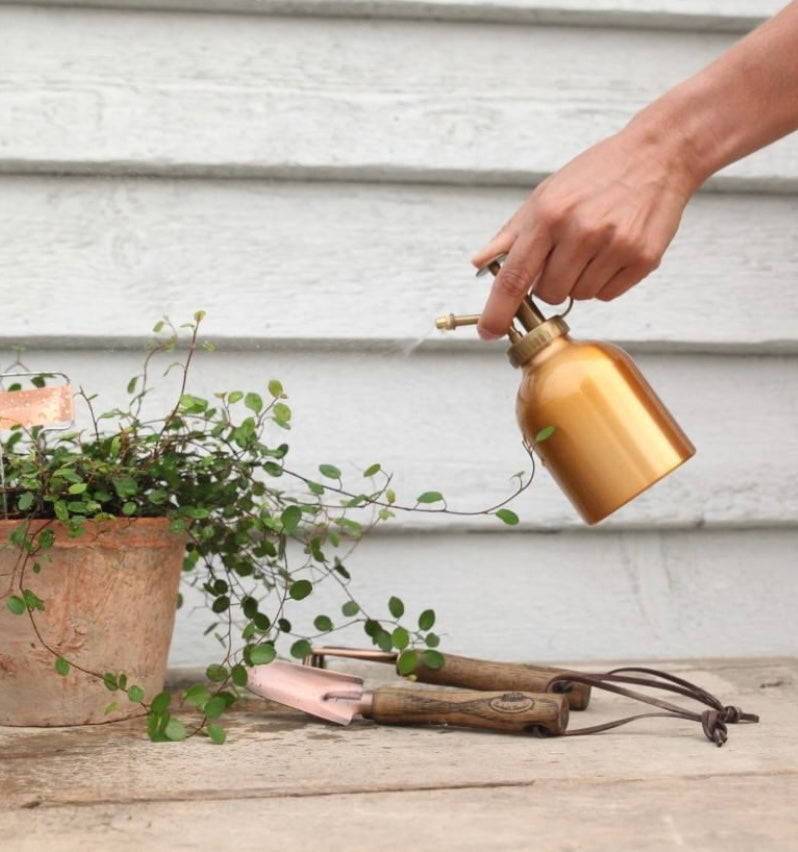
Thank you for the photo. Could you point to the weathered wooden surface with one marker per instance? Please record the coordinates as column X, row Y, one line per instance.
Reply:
column 164, row 92
column 300, row 261
column 287, row 781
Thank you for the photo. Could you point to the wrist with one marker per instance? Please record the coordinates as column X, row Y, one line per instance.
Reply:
column 668, row 132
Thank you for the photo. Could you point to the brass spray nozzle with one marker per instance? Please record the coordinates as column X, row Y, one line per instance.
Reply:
column 450, row 322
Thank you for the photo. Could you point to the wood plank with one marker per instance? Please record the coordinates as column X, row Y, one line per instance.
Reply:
column 198, row 93
column 710, row 813
column 448, row 423
column 578, row 595
column 327, row 261
column 277, row 756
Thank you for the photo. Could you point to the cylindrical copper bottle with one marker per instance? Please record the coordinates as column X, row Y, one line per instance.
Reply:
column 613, row 438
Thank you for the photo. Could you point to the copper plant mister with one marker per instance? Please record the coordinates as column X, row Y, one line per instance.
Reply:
column 613, row 438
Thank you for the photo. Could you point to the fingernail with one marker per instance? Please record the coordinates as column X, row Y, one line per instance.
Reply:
column 487, row 335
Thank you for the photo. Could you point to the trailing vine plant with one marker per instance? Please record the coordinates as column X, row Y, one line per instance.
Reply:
column 261, row 536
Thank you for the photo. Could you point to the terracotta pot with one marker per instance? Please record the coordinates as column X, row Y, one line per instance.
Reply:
column 110, row 597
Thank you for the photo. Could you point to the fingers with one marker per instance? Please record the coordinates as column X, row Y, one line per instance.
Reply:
column 565, row 266
column 500, row 244
column 622, row 281
column 524, row 262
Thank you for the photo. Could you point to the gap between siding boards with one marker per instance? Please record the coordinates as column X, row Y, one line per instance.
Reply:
column 407, row 348
column 365, row 174
column 531, row 14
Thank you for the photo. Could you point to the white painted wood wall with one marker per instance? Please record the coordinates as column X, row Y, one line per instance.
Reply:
column 316, row 175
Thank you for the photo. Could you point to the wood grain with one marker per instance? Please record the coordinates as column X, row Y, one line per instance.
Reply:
column 120, row 90
column 448, row 424
column 327, row 261
column 497, row 711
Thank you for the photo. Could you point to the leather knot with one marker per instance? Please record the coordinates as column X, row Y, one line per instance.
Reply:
column 732, row 715
column 714, row 725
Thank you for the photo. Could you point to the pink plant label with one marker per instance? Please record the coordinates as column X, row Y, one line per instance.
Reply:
column 36, row 407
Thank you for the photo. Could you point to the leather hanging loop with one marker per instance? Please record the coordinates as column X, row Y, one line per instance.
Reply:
column 713, row 721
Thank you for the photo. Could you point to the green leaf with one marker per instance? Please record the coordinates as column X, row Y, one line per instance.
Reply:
column 300, row 590
column 135, row 693
column 426, row 620
column 234, row 396
column 262, row 654
column 281, row 413
column 77, row 488
column 160, row 704
column 432, row 640
column 407, row 662
column 175, row 730
column 545, row 434
column 372, row 470
column 216, row 673
column 125, row 486
column 316, row 488
column 110, row 681
column 330, row 471
column 32, row 601
column 221, row 604
column 253, row 402
column 16, row 605
column 129, row 509
column 323, row 623
column 262, row 621
column 434, row 659
column 25, row 501
column 396, row 607
column 46, row 539
column 62, row 666
column 290, row 518
column 509, row 518
column 216, row 733
column 192, row 404
column 383, row 640
column 114, row 705
column 430, row 497
column 275, row 388
column 197, row 695
column 350, row 608
column 301, row 649
column 400, row 638
column 239, row 675
column 215, row 707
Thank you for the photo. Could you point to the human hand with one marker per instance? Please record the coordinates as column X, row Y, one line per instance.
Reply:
column 591, row 230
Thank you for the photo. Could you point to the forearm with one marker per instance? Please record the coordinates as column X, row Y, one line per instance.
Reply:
column 743, row 101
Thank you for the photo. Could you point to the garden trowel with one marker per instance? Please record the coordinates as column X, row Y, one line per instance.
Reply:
column 340, row 697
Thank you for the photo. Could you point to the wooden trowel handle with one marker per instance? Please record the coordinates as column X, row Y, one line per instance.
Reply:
column 499, row 711
column 482, row 674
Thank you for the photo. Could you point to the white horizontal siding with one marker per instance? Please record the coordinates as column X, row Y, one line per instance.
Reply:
column 379, row 143
column 120, row 90
column 620, row 596
column 309, row 261
column 447, row 423
column 726, row 15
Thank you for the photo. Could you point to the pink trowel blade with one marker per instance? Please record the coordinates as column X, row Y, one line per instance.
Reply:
column 328, row 695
